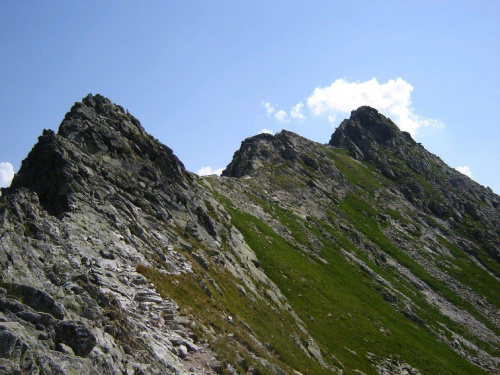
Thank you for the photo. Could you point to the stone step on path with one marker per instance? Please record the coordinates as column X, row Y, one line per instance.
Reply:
column 148, row 296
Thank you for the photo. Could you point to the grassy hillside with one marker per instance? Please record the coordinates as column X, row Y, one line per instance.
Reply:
column 361, row 309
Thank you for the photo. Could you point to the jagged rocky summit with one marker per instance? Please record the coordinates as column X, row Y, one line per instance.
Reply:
column 366, row 255
column 423, row 178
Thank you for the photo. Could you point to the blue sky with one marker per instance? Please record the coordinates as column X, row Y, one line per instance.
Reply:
column 203, row 75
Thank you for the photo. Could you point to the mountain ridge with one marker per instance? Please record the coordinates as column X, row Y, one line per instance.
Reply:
column 368, row 255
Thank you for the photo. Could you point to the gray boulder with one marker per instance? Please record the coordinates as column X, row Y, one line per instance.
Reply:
column 76, row 335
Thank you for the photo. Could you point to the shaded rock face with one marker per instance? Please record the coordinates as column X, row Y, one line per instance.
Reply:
column 303, row 258
column 249, row 153
column 76, row 335
column 48, row 172
column 364, row 130
column 61, row 165
column 34, row 298
column 12, row 345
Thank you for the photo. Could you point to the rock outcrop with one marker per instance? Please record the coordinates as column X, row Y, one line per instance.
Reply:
column 77, row 220
column 365, row 255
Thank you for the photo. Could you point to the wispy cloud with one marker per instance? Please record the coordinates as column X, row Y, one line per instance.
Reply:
column 269, row 108
column 392, row 98
column 465, row 170
column 281, row 116
column 6, row 174
column 296, row 112
column 207, row 171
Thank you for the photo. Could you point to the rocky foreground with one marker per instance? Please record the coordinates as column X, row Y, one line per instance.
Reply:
column 367, row 255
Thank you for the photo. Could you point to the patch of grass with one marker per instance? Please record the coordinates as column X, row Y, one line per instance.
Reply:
column 356, row 172
column 363, row 216
column 470, row 274
column 205, row 311
column 230, row 338
column 339, row 296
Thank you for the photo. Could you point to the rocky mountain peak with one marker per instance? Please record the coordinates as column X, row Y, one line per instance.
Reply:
column 253, row 153
column 365, row 130
column 95, row 135
column 96, row 111
column 423, row 178
column 284, row 148
column 379, row 125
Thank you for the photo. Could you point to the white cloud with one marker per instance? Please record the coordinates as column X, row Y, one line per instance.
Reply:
column 269, row 108
column 281, row 116
column 465, row 170
column 296, row 112
column 6, row 174
column 393, row 99
column 207, row 171
column 266, row 131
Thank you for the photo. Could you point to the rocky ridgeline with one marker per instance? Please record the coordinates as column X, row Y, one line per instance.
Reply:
column 77, row 220
column 432, row 200
column 283, row 148
column 96, row 204
column 88, row 206
column 423, row 178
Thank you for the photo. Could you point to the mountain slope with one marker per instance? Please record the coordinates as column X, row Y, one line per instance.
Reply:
column 365, row 255
column 435, row 272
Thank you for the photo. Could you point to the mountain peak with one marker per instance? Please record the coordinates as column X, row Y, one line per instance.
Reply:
column 98, row 135
column 96, row 111
column 364, row 130
column 264, row 150
column 368, row 117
